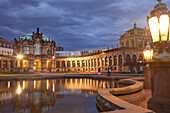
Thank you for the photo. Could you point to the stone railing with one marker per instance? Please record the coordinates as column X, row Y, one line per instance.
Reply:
column 119, row 100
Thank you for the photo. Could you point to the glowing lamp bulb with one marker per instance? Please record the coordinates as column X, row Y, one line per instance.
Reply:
column 19, row 56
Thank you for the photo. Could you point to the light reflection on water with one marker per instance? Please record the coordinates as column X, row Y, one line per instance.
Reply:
column 40, row 96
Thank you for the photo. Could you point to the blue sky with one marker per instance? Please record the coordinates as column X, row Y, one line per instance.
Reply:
column 74, row 24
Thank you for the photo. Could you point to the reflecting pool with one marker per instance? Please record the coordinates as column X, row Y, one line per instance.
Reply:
column 75, row 95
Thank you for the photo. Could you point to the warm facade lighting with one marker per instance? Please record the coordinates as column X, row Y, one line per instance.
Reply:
column 53, row 57
column 23, row 84
column 47, row 82
column 53, row 87
column 19, row 56
column 19, row 89
column 164, row 24
column 154, row 28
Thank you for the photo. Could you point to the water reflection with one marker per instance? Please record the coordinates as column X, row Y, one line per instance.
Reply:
column 38, row 96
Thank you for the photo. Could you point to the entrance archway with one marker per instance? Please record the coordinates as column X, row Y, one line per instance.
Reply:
column 37, row 66
column 48, row 65
column 25, row 65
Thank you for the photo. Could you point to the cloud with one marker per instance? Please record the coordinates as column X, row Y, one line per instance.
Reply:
column 74, row 24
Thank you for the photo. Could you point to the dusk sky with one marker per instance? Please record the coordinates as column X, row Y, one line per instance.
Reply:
column 74, row 24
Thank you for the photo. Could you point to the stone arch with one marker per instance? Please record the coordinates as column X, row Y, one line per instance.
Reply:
column 89, row 62
column 110, row 60
column 78, row 63
column 127, row 44
column 140, row 58
column 133, row 43
column 102, row 61
column 98, row 60
column 115, row 60
column 63, row 63
column 106, row 61
column 95, row 63
column 128, row 59
column 92, row 63
column 120, row 60
column 73, row 64
column 57, row 64
column 68, row 64
column 134, row 58
column 83, row 63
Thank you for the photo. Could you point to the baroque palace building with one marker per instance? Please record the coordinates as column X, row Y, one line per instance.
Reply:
column 126, row 58
column 38, row 54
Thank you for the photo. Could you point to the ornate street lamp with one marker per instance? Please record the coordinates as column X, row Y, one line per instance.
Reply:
column 148, row 52
column 159, row 22
column 157, row 73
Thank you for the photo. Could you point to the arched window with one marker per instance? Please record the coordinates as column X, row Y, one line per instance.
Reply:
column 37, row 49
column 115, row 60
column 89, row 63
column 83, row 63
column 106, row 61
column 98, row 61
column 78, row 63
column 49, row 50
column 128, row 59
column 127, row 44
column 57, row 64
column 26, row 49
column 94, row 62
column 133, row 43
column 120, row 59
column 73, row 64
column 4, row 64
column 63, row 63
column 102, row 61
column 140, row 43
column 86, row 63
column 68, row 63
column 110, row 60
column 11, row 64
column 140, row 58
column 134, row 58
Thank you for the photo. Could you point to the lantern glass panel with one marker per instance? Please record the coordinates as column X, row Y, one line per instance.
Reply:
column 164, row 24
column 148, row 54
column 154, row 28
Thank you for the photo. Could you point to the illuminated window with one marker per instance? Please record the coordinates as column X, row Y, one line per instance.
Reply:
column 37, row 49
column 26, row 49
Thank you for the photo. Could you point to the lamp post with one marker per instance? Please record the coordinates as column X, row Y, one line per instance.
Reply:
column 159, row 64
column 19, row 57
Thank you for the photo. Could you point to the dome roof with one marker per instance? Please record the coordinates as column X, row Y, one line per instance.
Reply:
column 29, row 36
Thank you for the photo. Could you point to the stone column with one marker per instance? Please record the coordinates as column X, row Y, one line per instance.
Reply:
column 2, row 68
column 30, row 66
column 44, row 65
column 8, row 66
column 21, row 65
column 14, row 66
column 65, row 66
column 52, row 65
column 160, row 80
column 147, row 81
